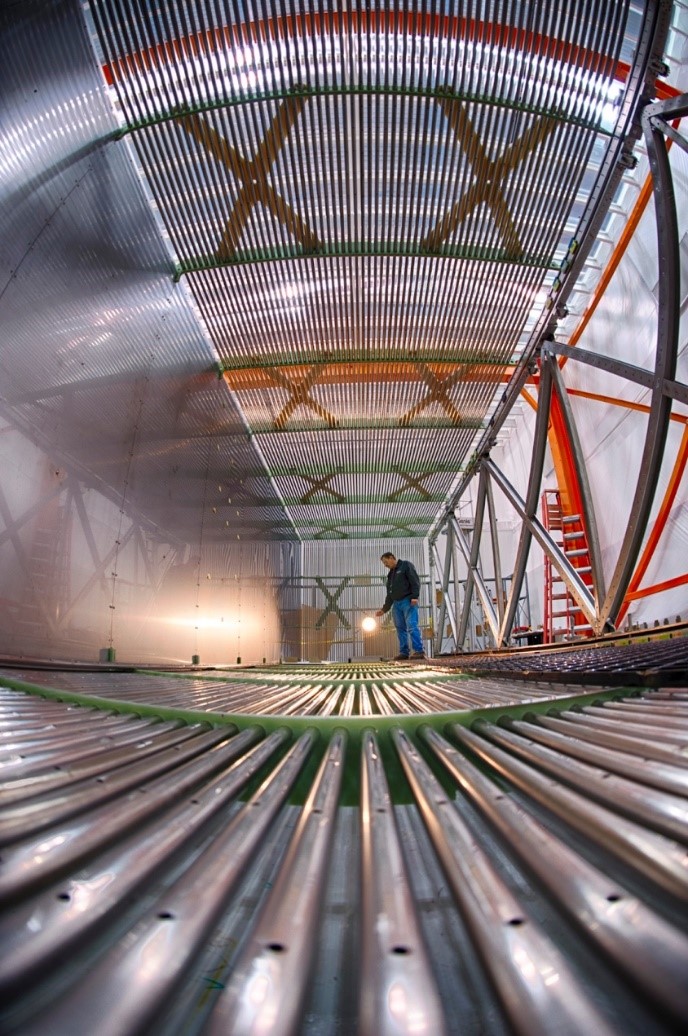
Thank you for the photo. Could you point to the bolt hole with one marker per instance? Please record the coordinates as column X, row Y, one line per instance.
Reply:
column 613, row 897
column 401, row 950
column 65, row 896
column 165, row 915
column 317, row 810
column 277, row 947
column 516, row 921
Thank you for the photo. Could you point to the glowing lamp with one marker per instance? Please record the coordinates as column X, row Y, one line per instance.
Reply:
column 368, row 624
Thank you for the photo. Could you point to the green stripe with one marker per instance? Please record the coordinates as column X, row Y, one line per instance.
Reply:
column 325, row 726
column 439, row 93
column 363, row 249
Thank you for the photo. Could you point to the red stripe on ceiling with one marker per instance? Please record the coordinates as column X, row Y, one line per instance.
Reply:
column 354, row 22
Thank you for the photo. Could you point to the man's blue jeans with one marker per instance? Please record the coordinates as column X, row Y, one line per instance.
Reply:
column 405, row 616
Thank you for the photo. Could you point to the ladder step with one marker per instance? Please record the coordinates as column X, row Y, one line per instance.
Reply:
column 578, row 553
column 574, row 535
column 568, row 518
column 584, row 626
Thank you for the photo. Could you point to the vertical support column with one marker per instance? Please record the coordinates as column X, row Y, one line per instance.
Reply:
column 531, row 503
column 431, row 602
column 496, row 557
column 457, row 584
column 445, row 605
column 476, row 580
column 665, row 356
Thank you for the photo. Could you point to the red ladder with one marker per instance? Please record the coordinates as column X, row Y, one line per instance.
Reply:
column 563, row 616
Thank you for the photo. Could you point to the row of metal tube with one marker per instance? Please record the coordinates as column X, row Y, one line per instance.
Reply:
column 326, row 693
column 119, row 864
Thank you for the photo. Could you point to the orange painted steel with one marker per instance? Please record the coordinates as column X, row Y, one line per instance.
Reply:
column 564, row 463
column 345, row 373
column 668, row 584
column 530, row 400
column 614, row 260
column 626, row 403
column 344, row 22
column 619, row 251
column 657, row 529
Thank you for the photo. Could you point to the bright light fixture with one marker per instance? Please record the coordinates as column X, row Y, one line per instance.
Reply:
column 368, row 624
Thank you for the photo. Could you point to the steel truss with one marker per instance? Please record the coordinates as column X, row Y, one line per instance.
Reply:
column 604, row 605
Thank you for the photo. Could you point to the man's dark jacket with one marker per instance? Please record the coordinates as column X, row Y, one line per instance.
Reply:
column 402, row 581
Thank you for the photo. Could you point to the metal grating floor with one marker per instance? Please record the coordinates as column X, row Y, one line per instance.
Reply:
column 499, row 865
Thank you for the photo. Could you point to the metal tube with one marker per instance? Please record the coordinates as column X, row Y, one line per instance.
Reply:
column 32, row 861
column 651, row 951
column 659, row 775
column 179, row 922
column 270, row 980
column 505, row 935
column 79, row 907
column 398, row 993
column 659, row 859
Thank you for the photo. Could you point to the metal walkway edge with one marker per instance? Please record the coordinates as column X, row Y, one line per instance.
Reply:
column 463, row 869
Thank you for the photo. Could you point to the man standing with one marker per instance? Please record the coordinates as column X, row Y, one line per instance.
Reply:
column 403, row 588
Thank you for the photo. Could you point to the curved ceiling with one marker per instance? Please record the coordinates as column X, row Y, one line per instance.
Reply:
column 365, row 217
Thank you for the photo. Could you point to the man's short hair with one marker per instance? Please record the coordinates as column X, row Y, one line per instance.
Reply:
column 387, row 554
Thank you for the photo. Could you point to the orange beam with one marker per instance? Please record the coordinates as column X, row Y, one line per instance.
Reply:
column 623, row 242
column 562, row 457
column 657, row 528
column 614, row 260
column 342, row 373
column 668, row 584
column 626, row 403
column 413, row 23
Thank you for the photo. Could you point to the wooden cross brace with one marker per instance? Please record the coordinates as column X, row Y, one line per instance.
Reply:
column 299, row 392
column 320, row 483
column 253, row 175
column 439, row 388
column 411, row 483
column 488, row 177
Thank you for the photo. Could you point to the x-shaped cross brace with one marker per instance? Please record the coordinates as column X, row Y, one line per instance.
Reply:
column 437, row 394
column 411, row 483
column 396, row 528
column 488, row 177
column 332, row 605
column 330, row 528
column 253, row 176
column 299, row 396
column 320, row 483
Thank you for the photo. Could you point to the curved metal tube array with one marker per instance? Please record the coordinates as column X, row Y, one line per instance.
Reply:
column 438, row 872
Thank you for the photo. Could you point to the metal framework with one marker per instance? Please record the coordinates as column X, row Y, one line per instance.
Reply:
column 377, row 201
column 213, row 870
column 604, row 606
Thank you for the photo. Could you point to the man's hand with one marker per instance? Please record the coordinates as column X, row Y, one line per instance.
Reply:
column 379, row 612
column 414, row 600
